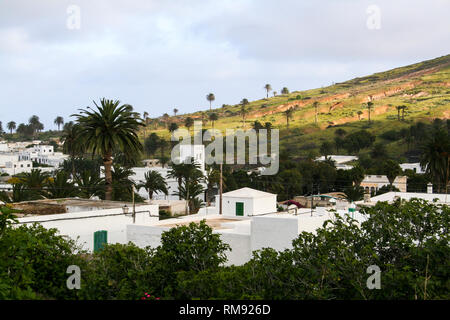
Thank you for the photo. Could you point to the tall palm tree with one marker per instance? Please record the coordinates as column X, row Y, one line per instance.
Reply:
column 316, row 109
column 243, row 112
column 59, row 121
column 210, row 97
column 213, row 117
column 71, row 142
column 145, row 117
column 285, row 90
column 435, row 157
column 35, row 124
column 175, row 111
column 288, row 114
column 59, row 186
column 11, row 126
column 369, row 108
column 154, row 182
column 111, row 128
column 166, row 118
column 268, row 88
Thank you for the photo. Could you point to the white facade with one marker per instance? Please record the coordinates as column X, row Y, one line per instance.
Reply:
column 372, row 183
column 247, row 202
column 196, row 151
column 244, row 235
column 412, row 166
column 82, row 225
column 11, row 164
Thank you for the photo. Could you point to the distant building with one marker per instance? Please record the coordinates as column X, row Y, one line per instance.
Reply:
column 372, row 183
column 412, row 166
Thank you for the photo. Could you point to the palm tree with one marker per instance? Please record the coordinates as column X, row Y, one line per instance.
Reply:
column 11, row 126
column 145, row 117
column 289, row 114
column 244, row 102
column 35, row 124
column 59, row 186
column 154, row 182
column 72, row 144
column 59, row 121
column 166, row 118
column 111, row 128
column 213, row 117
column 188, row 122
column 175, row 111
column 210, row 97
column 123, row 186
column 89, row 184
column 35, row 181
column 398, row 112
column 285, row 90
column 435, row 157
column 212, row 178
column 268, row 88
column 243, row 112
column 369, row 108
column 274, row 93
column 359, row 113
column 316, row 109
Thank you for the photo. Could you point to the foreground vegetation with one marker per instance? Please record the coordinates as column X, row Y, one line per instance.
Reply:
column 408, row 241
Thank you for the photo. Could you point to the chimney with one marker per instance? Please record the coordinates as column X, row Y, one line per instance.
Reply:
column 366, row 197
column 429, row 187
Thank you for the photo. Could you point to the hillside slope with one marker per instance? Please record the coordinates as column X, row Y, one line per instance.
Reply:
column 424, row 88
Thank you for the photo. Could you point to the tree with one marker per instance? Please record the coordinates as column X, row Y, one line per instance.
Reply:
column 35, row 125
column 212, row 178
column 268, row 88
column 359, row 113
column 175, row 111
column 340, row 132
column 285, row 90
column 151, row 144
column 379, row 151
column 399, row 108
column 326, row 149
column 435, row 157
column 369, row 106
column 59, row 121
column 316, row 110
column 173, row 127
column 213, row 117
column 244, row 102
column 210, row 97
column 243, row 112
column 357, row 174
column 11, row 126
column 391, row 170
column 154, row 182
column 71, row 142
column 188, row 122
column 59, row 186
column 111, row 128
column 89, row 184
column 288, row 113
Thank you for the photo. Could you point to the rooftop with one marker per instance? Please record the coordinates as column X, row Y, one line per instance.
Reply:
column 247, row 193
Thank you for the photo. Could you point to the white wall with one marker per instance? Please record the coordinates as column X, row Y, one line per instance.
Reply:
column 85, row 228
column 273, row 232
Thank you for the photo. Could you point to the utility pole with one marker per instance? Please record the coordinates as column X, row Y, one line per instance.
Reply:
column 134, row 205
column 220, row 190
column 312, row 198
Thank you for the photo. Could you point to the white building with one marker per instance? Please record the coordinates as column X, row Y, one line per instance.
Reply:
column 243, row 234
column 44, row 154
column 413, row 166
column 84, row 217
column 372, row 183
column 11, row 164
column 247, row 202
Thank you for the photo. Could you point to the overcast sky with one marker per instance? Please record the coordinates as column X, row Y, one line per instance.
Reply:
column 160, row 54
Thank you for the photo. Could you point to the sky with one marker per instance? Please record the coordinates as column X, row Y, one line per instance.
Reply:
column 57, row 56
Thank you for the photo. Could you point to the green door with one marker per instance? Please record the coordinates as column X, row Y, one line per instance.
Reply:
column 239, row 208
column 100, row 239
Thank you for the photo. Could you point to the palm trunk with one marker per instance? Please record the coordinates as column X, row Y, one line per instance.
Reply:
column 107, row 162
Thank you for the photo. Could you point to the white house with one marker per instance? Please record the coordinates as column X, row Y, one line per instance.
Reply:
column 10, row 163
column 247, row 202
column 84, row 217
column 413, row 166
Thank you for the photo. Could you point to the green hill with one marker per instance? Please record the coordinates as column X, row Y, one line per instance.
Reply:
column 424, row 88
